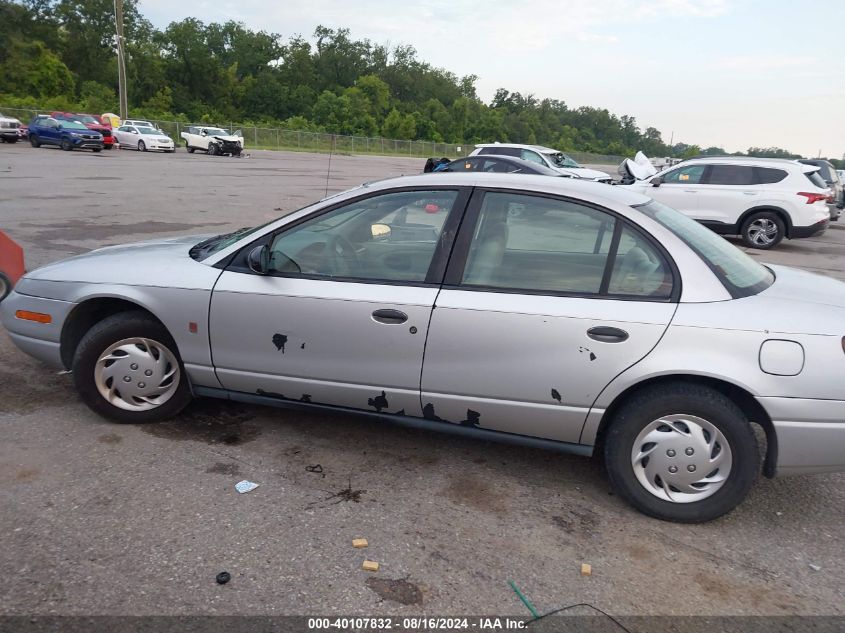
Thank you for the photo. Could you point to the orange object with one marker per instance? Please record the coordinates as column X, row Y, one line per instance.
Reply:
column 11, row 259
column 38, row 317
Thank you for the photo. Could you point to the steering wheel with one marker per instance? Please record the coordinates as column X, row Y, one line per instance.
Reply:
column 341, row 256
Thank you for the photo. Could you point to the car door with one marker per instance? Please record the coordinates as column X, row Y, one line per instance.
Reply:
column 48, row 132
column 342, row 316
column 540, row 310
column 727, row 192
column 680, row 188
column 122, row 134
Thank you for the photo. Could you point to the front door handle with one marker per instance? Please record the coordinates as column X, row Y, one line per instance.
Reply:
column 605, row 334
column 390, row 317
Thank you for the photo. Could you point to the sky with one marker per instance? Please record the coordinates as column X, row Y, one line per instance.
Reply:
column 729, row 73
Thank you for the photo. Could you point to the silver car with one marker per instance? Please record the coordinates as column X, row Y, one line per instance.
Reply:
column 541, row 311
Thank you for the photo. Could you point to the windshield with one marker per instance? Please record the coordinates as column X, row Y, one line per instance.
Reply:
column 562, row 160
column 147, row 130
column 217, row 243
column 216, row 131
column 85, row 118
column 73, row 125
column 740, row 274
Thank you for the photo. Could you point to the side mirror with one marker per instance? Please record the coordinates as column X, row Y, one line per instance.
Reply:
column 656, row 181
column 259, row 259
column 380, row 232
column 59, row 126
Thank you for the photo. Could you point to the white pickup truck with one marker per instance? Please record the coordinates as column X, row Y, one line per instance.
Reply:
column 212, row 140
column 9, row 127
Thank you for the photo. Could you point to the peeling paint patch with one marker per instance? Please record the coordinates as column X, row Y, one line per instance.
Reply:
column 306, row 397
column 584, row 349
column 556, row 395
column 379, row 402
column 428, row 413
column 280, row 340
column 473, row 418
column 270, row 394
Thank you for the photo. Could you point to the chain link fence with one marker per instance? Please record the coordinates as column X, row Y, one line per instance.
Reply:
column 303, row 141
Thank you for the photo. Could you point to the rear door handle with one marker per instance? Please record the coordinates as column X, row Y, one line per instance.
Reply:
column 606, row 334
column 750, row 193
column 389, row 317
column 690, row 190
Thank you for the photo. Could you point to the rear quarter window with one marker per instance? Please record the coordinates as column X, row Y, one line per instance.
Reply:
column 767, row 175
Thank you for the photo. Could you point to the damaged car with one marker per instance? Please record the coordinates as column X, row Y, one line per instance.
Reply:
column 596, row 320
column 214, row 141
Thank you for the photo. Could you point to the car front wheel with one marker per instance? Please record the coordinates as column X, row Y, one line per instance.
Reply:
column 763, row 230
column 681, row 452
column 5, row 286
column 66, row 145
column 127, row 368
column 33, row 140
column 142, row 147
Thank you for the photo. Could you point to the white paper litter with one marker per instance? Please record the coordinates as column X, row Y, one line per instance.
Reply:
column 245, row 486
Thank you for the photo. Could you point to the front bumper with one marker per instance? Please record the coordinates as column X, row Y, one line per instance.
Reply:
column 9, row 134
column 809, row 231
column 810, row 434
column 39, row 340
column 84, row 143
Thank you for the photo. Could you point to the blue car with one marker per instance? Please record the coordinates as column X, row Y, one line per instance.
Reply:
column 68, row 135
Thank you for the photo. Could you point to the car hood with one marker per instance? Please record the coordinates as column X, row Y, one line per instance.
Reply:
column 151, row 263
column 8, row 119
column 234, row 139
column 582, row 172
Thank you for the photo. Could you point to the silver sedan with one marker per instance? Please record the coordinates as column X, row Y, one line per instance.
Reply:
column 540, row 311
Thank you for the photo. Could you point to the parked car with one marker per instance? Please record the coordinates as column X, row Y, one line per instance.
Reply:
column 212, row 140
column 546, row 156
column 9, row 129
column 68, row 135
column 143, row 137
column 139, row 122
column 497, row 164
column 609, row 320
column 23, row 132
column 92, row 122
column 763, row 200
column 833, row 182
column 11, row 264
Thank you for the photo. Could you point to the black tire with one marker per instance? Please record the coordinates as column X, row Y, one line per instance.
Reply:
column 754, row 237
column 142, row 147
column 97, row 150
column 189, row 148
column 33, row 140
column 659, row 401
column 66, row 145
column 108, row 146
column 98, row 339
column 212, row 149
column 5, row 286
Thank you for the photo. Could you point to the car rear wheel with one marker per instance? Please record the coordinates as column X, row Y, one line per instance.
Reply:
column 67, row 145
column 681, row 452
column 142, row 147
column 33, row 140
column 127, row 368
column 763, row 230
column 5, row 286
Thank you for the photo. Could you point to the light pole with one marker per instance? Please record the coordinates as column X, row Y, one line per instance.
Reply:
column 121, row 59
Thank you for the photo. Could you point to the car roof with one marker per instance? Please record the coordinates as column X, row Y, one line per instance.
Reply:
column 597, row 192
column 540, row 148
column 514, row 160
column 741, row 159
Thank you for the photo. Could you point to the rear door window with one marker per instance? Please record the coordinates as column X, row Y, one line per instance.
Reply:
column 737, row 175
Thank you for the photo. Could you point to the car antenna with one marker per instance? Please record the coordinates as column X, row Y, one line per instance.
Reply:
column 329, row 170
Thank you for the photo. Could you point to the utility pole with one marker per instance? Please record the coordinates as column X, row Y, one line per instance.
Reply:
column 121, row 59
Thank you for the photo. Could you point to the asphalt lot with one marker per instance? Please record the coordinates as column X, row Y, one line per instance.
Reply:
column 100, row 518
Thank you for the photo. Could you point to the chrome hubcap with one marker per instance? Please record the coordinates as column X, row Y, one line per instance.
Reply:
column 137, row 374
column 762, row 231
column 681, row 458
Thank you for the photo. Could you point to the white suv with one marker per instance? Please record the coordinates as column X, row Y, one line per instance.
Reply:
column 762, row 200
column 551, row 158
